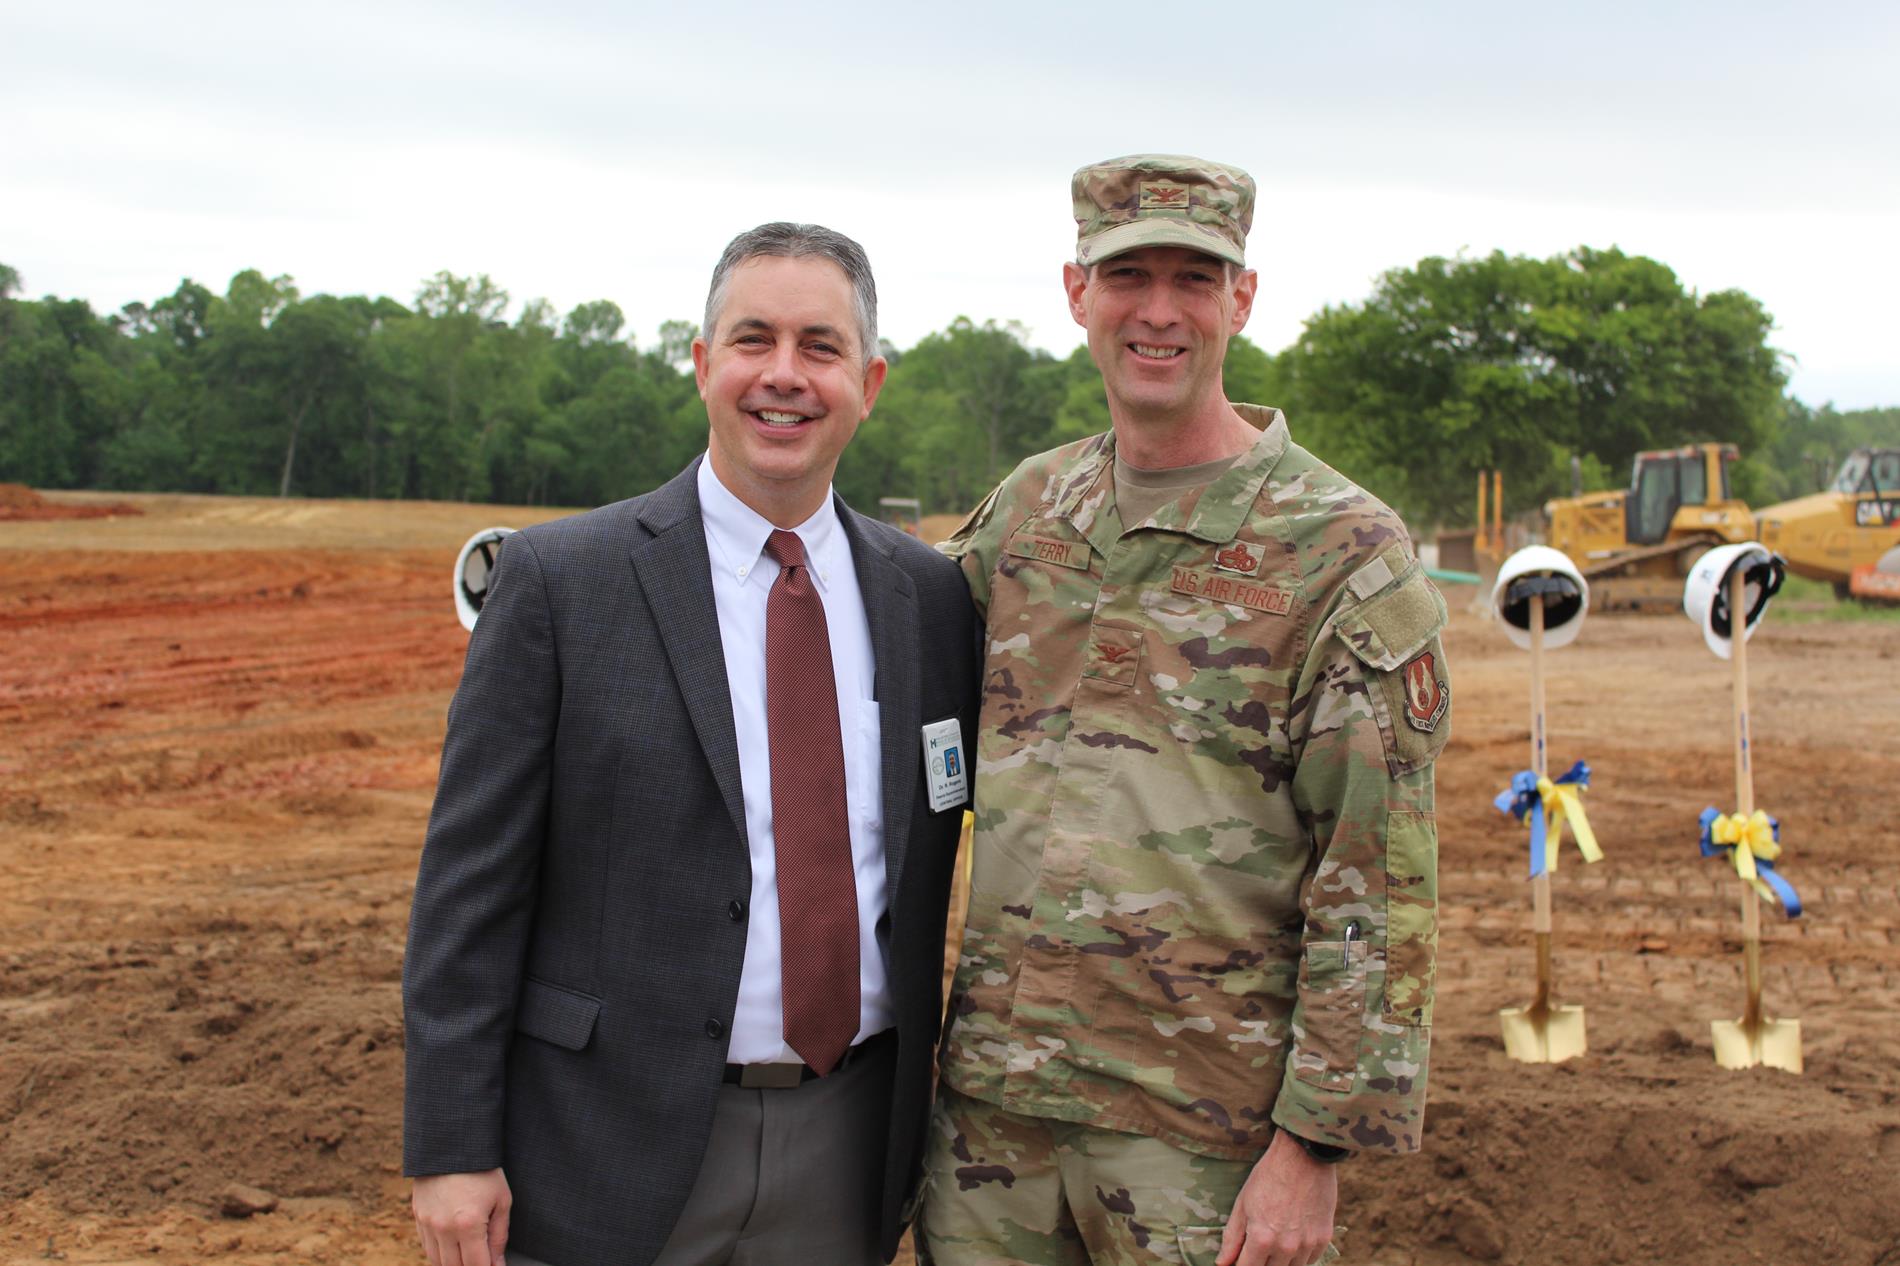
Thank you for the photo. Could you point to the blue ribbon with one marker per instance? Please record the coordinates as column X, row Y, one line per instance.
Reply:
column 1764, row 868
column 1522, row 800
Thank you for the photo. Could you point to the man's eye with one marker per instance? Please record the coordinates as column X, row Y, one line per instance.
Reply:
column 824, row 349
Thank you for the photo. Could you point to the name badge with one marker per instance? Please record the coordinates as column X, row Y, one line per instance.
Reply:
column 1072, row 554
column 946, row 765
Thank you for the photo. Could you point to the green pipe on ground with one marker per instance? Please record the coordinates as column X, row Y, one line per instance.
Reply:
column 1454, row 577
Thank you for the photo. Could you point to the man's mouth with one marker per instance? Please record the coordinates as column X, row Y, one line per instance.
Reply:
column 779, row 418
column 1149, row 351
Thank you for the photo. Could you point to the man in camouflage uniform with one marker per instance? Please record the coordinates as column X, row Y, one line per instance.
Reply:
column 1198, row 961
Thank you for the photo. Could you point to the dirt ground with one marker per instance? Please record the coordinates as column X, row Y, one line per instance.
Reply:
column 219, row 725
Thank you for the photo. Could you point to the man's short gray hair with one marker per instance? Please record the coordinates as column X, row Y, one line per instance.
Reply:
column 799, row 241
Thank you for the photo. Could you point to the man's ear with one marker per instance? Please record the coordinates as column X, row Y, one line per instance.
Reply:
column 700, row 354
column 1244, row 287
column 1075, row 280
column 874, row 375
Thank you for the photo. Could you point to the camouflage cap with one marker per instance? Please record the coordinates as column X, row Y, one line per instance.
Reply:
column 1124, row 204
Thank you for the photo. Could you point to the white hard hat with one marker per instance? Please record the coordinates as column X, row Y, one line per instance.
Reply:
column 1540, row 573
column 472, row 566
column 1705, row 593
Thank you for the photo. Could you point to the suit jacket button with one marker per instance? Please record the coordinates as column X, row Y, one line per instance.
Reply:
column 736, row 909
column 714, row 1029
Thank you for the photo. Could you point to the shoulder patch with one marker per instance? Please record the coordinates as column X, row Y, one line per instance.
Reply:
column 1395, row 635
column 1390, row 628
column 1427, row 693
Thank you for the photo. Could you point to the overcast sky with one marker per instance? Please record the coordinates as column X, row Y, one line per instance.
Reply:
column 576, row 150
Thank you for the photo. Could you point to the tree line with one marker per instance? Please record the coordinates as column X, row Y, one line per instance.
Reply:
column 1448, row 367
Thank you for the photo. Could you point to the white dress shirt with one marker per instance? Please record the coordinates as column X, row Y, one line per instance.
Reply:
column 742, row 576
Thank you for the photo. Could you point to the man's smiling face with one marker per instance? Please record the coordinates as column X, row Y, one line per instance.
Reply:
column 1158, row 321
column 784, row 380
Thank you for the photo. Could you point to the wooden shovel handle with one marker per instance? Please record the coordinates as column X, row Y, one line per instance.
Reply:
column 1745, row 794
column 1540, row 885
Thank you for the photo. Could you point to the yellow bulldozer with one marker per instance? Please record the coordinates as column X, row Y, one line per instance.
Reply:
column 1635, row 547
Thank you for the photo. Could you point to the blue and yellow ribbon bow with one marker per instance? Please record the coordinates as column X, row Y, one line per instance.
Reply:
column 1548, row 805
column 1753, row 843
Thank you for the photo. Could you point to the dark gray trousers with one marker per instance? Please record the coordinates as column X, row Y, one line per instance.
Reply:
column 790, row 1177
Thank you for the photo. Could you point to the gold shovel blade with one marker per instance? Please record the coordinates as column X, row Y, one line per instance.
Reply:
column 1560, row 1035
column 1774, row 1044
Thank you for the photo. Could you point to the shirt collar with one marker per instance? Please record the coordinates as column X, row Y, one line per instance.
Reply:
column 1213, row 512
column 736, row 532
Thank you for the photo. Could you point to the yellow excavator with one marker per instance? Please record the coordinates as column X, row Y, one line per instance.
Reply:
column 1636, row 547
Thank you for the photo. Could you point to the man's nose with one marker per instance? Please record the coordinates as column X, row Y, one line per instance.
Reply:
column 1159, row 306
column 782, row 370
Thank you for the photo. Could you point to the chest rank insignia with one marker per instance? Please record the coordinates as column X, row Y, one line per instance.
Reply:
column 1426, row 694
column 1237, row 558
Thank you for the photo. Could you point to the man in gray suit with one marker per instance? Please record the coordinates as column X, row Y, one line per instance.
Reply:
column 673, row 981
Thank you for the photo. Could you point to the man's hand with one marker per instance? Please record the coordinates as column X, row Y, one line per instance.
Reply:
column 1284, row 1216
column 463, row 1218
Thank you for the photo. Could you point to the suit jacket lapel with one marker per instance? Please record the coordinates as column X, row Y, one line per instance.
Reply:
column 890, row 607
column 675, row 573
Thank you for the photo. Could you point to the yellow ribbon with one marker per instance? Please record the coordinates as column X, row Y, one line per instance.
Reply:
column 1563, row 802
column 1751, row 837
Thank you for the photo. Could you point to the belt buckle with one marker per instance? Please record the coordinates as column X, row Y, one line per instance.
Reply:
column 771, row 1076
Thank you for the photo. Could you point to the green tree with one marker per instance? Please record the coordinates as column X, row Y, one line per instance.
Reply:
column 964, row 406
column 592, row 324
column 1809, row 446
column 676, row 341
column 59, row 365
column 1461, row 364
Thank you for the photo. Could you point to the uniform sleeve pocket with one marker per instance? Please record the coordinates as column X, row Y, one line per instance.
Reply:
column 1395, row 635
column 1411, row 916
column 556, row 1015
column 1330, row 1021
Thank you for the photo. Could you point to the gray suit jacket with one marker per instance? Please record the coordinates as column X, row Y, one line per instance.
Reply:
column 579, row 919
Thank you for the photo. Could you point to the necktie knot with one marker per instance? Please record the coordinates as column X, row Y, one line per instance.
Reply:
column 785, row 548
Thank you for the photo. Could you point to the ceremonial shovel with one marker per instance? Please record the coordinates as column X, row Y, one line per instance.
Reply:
column 1752, row 1039
column 1542, row 1033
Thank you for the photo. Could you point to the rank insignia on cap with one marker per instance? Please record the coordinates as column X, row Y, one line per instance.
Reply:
column 1163, row 195
column 1238, row 558
column 1426, row 694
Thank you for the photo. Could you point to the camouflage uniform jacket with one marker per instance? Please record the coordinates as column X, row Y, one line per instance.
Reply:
column 1204, row 893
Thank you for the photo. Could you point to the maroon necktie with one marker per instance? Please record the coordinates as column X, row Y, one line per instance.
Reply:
column 811, row 828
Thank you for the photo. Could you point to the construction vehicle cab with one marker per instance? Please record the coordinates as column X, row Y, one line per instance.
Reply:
column 1664, row 482
column 1635, row 547
column 905, row 514
column 1830, row 535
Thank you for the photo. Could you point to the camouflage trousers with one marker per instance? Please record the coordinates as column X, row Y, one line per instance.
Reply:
column 1001, row 1188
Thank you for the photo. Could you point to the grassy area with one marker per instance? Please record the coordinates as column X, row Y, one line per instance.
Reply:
column 1803, row 601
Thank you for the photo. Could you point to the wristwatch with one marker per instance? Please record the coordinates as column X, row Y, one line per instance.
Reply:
column 1325, row 1153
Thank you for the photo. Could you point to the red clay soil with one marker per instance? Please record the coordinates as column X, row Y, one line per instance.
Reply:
column 216, row 762
column 19, row 503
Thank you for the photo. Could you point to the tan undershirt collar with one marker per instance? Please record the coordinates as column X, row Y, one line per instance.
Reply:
column 1139, row 493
